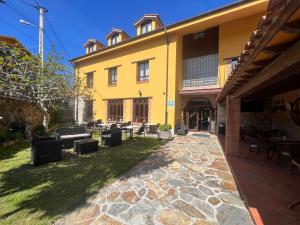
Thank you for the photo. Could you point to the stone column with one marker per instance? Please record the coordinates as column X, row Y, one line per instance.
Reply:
column 233, row 115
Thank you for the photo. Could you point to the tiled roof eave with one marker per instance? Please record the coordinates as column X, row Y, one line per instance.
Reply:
column 268, row 27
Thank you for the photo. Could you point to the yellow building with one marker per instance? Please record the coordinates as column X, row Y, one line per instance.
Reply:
column 166, row 74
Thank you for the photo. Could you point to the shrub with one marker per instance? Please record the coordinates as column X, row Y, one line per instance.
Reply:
column 5, row 135
column 19, row 136
column 165, row 127
column 39, row 130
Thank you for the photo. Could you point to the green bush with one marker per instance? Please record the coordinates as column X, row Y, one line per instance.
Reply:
column 39, row 130
column 164, row 127
column 19, row 136
column 5, row 135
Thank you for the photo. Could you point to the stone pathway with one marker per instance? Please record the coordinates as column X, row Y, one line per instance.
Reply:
column 187, row 182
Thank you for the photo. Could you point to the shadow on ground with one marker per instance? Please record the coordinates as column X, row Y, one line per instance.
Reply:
column 50, row 191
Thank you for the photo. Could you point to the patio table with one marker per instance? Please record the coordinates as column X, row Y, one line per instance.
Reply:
column 130, row 128
column 285, row 144
column 102, row 126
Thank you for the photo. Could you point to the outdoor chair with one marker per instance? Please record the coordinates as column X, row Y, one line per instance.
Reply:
column 140, row 131
column 111, row 138
column 180, row 130
column 91, row 125
column 45, row 150
column 258, row 144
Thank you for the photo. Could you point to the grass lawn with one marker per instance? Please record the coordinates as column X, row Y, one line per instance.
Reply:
column 41, row 195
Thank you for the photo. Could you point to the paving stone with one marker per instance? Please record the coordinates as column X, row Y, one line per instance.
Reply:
column 142, row 192
column 106, row 220
column 176, row 183
column 169, row 197
column 214, row 201
column 193, row 191
column 205, row 190
column 171, row 217
column 112, row 196
column 117, row 208
column 219, row 165
column 204, row 222
column 228, row 215
column 228, row 185
column 185, row 197
column 224, row 175
column 188, row 209
column 231, row 199
column 151, row 194
column 130, row 197
column 184, row 183
column 86, row 213
column 143, row 209
column 204, row 207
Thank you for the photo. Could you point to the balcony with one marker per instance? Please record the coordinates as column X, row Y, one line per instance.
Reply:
column 200, row 83
column 200, row 72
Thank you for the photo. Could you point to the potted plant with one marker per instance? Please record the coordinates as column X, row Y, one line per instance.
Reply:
column 165, row 132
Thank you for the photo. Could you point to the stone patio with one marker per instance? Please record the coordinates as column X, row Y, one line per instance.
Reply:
column 187, row 182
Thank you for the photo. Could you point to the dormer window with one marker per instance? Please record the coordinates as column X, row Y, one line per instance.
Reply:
column 92, row 45
column 148, row 23
column 115, row 39
column 90, row 48
column 146, row 26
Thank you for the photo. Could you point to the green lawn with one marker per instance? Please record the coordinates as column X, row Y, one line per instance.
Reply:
column 41, row 195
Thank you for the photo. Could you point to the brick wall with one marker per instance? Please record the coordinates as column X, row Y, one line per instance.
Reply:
column 233, row 116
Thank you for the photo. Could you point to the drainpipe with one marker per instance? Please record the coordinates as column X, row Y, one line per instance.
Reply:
column 167, row 76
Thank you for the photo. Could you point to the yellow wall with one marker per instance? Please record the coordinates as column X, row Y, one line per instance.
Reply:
column 127, row 87
column 232, row 39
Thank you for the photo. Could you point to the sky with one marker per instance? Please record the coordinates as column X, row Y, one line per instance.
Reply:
column 69, row 23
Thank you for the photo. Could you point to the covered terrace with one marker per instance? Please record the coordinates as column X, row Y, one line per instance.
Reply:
column 260, row 105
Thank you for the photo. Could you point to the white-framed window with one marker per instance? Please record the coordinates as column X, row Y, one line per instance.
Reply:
column 90, row 48
column 89, row 80
column 143, row 71
column 146, row 26
column 115, row 39
column 112, row 76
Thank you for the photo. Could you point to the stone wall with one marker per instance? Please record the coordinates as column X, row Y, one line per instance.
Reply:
column 281, row 113
column 19, row 111
column 258, row 119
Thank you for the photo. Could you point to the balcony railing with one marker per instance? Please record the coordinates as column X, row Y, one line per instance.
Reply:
column 200, row 83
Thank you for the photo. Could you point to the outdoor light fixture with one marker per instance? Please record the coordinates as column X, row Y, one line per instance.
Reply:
column 25, row 22
column 140, row 93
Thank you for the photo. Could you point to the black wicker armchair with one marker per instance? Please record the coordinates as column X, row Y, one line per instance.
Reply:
column 112, row 137
column 180, row 130
column 45, row 150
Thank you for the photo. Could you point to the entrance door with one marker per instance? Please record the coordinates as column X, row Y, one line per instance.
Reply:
column 198, row 114
column 198, row 119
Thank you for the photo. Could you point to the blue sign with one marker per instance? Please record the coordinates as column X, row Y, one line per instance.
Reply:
column 171, row 103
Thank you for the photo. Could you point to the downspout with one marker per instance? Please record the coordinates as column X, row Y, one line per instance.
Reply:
column 77, row 92
column 167, row 76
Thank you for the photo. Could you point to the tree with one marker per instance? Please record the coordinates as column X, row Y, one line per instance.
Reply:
column 22, row 75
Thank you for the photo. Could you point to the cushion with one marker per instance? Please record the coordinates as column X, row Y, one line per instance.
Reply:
column 79, row 130
column 69, row 136
column 106, row 136
column 64, row 131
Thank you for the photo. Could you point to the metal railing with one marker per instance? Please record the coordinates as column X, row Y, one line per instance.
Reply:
column 200, row 83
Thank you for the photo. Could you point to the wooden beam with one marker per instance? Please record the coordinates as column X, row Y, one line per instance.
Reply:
column 272, row 30
column 254, row 70
column 291, row 28
column 277, row 49
column 263, row 63
column 280, row 64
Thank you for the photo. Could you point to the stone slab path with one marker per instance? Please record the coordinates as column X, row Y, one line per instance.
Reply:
column 187, row 182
